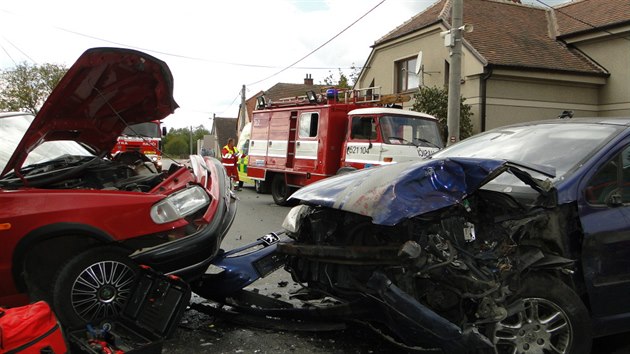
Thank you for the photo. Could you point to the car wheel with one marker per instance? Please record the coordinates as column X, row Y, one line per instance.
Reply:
column 93, row 285
column 262, row 187
column 279, row 190
column 548, row 317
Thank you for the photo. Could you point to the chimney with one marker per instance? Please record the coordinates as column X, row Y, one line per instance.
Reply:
column 308, row 80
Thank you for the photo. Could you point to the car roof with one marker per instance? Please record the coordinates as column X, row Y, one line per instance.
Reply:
column 620, row 121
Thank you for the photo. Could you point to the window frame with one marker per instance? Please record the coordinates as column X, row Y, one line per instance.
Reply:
column 402, row 81
column 310, row 133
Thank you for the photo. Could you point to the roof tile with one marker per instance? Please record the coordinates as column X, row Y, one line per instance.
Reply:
column 507, row 34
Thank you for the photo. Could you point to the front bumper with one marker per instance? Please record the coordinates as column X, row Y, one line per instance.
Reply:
column 190, row 256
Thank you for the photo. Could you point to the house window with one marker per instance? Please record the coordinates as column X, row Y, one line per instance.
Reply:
column 308, row 125
column 406, row 75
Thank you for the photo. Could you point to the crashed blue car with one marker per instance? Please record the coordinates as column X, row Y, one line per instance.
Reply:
column 516, row 240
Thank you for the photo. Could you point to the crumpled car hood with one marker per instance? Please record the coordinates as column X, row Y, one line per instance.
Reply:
column 105, row 89
column 392, row 193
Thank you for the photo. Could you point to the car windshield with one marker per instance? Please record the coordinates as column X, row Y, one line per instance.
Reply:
column 561, row 146
column 12, row 129
column 405, row 130
column 148, row 129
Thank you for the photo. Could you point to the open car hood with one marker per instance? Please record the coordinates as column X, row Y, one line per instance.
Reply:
column 392, row 193
column 105, row 89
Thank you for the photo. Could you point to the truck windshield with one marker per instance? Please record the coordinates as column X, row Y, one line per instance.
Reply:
column 148, row 130
column 406, row 130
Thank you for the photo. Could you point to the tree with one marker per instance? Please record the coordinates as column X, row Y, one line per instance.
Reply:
column 177, row 141
column 344, row 81
column 434, row 101
column 176, row 145
column 26, row 87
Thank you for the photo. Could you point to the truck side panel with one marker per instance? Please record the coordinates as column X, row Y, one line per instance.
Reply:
column 278, row 140
column 258, row 145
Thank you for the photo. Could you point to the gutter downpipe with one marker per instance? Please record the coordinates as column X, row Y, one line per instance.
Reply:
column 487, row 72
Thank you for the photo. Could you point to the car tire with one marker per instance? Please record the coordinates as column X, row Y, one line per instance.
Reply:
column 93, row 285
column 262, row 187
column 548, row 317
column 280, row 191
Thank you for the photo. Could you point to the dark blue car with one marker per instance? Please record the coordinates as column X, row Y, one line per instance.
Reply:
column 515, row 240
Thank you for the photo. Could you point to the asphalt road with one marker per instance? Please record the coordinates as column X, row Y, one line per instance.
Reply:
column 201, row 332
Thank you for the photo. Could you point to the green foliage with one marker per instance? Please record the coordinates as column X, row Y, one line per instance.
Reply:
column 177, row 141
column 345, row 81
column 434, row 101
column 26, row 87
column 176, row 145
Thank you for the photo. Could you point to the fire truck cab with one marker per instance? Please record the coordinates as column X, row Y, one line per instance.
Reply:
column 144, row 138
column 303, row 140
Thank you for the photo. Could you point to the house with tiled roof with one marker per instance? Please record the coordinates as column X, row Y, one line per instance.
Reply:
column 223, row 128
column 520, row 62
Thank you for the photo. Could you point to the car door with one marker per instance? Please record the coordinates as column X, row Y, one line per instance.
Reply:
column 604, row 208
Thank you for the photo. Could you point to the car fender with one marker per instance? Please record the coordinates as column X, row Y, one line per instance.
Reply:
column 50, row 232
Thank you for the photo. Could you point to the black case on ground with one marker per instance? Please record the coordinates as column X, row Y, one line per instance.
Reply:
column 151, row 315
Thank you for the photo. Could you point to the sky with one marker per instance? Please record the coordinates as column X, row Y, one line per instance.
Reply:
column 211, row 47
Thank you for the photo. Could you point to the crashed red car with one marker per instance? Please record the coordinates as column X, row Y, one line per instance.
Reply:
column 75, row 222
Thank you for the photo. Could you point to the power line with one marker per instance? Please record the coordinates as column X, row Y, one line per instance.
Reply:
column 171, row 54
column 9, row 55
column 19, row 50
column 318, row 48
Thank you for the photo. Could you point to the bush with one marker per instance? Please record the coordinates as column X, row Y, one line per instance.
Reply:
column 434, row 101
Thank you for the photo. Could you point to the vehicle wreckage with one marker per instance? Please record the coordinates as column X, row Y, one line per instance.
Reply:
column 427, row 257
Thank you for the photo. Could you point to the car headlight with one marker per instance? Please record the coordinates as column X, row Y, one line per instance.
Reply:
column 179, row 204
column 291, row 222
column 154, row 158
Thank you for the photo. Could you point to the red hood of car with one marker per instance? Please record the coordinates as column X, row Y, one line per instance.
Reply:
column 105, row 90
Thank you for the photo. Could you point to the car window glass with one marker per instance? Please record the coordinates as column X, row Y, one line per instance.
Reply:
column 561, row 146
column 363, row 128
column 407, row 130
column 603, row 183
column 308, row 125
column 625, row 175
column 611, row 181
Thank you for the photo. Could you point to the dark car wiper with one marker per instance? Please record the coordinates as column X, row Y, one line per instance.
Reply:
column 427, row 142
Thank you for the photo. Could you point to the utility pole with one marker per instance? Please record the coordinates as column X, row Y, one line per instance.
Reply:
column 191, row 149
column 455, row 75
column 243, row 111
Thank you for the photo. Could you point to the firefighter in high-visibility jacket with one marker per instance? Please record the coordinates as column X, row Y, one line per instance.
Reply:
column 229, row 157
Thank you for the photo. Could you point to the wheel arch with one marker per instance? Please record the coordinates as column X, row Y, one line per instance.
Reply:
column 51, row 246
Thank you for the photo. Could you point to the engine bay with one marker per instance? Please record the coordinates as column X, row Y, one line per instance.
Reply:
column 128, row 171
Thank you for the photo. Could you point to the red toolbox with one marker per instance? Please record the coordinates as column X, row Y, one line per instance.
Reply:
column 151, row 315
column 31, row 329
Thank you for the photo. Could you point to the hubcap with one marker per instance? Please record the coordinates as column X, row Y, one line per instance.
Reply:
column 541, row 327
column 101, row 290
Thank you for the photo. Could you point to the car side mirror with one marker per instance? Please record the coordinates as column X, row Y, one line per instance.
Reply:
column 614, row 199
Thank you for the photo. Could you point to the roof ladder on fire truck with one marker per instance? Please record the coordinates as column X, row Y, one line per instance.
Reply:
column 292, row 138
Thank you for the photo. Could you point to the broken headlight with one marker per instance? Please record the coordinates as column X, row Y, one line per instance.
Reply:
column 179, row 204
column 291, row 222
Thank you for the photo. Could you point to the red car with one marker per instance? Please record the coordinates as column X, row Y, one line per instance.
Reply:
column 75, row 222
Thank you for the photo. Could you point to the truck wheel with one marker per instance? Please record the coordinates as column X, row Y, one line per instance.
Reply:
column 280, row 191
column 262, row 187
column 548, row 317
column 93, row 285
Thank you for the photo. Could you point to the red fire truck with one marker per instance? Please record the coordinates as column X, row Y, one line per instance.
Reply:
column 295, row 142
column 145, row 138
